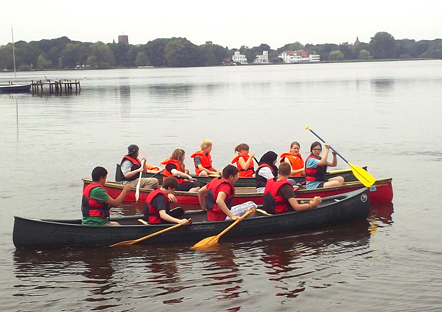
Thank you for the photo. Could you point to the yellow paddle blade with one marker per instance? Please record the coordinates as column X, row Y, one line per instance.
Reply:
column 206, row 242
column 363, row 176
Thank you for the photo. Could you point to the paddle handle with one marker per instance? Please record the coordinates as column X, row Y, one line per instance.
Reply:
column 308, row 128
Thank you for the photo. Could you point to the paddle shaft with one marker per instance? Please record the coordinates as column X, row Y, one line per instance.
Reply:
column 156, row 233
column 330, row 146
column 234, row 223
column 131, row 242
column 137, row 192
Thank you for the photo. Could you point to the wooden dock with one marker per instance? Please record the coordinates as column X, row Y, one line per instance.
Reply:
column 56, row 87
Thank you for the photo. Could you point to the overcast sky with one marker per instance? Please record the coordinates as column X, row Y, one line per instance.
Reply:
column 227, row 23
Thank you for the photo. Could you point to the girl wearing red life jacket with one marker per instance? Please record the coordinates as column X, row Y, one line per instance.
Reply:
column 294, row 158
column 203, row 160
column 316, row 167
column 244, row 160
column 174, row 166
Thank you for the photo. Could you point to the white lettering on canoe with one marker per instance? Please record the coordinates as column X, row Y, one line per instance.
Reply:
column 202, row 227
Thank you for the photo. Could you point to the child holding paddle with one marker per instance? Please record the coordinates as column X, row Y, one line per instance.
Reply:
column 244, row 160
column 216, row 197
column 316, row 167
column 96, row 203
column 132, row 167
column 157, row 207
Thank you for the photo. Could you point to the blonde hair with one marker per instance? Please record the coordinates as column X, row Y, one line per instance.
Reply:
column 205, row 143
column 178, row 154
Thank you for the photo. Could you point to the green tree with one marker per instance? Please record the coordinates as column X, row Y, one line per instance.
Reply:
column 179, row 52
column 104, row 55
column 155, row 51
column 6, row 61
column 364, row 55
column 142, row 59
column 212, row 54
column 291, row 47
column 383, row 46
column 336, row 56
column 42, row 63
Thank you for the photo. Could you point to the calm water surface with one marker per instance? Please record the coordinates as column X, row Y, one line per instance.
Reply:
column 383, row 115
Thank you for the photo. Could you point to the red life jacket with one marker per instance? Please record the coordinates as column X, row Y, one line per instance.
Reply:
column 91, row 207
column 151, row 214
column 166, row 173
column 296, row 162
column 315, row 174
column 206, row 161
column 260, row 181
column 136, row 164
column 272, row 202
column 214, row 213
column 244, row 172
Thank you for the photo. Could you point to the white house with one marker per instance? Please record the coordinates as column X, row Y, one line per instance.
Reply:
column 262, row 59
column 299, row 56
column 239, row 58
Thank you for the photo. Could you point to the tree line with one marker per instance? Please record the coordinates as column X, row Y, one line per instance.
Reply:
column 63, row 53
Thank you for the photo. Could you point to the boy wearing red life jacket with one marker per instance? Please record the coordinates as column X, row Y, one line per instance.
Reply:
column 216, row 197
column 279, row 196
column 157, row 207
column 96, row 203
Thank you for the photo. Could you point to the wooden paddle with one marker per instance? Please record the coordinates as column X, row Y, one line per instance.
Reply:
column 363, row 176
column 137, row 192
column 134, row 241
column 212, row 240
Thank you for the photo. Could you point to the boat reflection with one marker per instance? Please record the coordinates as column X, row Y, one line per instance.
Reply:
column 380, row 216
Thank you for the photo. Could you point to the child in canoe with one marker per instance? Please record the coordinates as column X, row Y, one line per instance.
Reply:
column 174, row 167
column 294, row 158
column 203, row 160
column 157, row 207
column 316, row 167
column 244, row 161
column 279, row 196
column 96, row 203
column 216, row 197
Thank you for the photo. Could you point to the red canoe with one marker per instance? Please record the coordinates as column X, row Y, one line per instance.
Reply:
column 381, row 191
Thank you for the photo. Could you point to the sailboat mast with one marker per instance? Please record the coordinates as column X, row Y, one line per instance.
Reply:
column 13, row 53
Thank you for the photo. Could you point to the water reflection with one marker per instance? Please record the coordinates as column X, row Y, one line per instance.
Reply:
column 171, row 90
column 125, row 100
column 380, row 216
column 382, row 86
column 297, row 261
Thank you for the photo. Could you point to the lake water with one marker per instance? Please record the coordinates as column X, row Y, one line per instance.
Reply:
column 385, row 115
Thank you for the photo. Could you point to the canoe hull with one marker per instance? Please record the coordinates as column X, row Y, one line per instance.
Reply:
column 36, row 233
column 381, row 191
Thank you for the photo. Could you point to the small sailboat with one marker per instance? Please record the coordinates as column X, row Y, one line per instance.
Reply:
column 12, row 87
